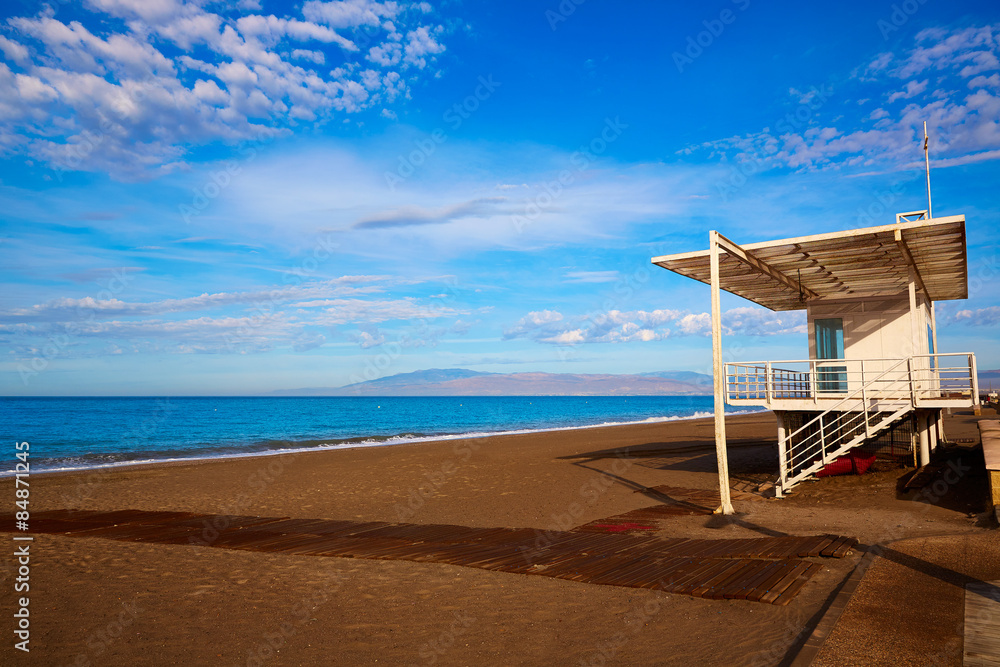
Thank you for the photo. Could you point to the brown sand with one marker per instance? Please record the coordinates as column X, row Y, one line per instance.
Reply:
column 96, row 601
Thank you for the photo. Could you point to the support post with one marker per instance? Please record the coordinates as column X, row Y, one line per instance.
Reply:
column 976, row 408
column 933, row 331
column 726, row 506
column 914, row 326
column 927, row 163
column 932, row 419
column 925, row 444
column 779, row 490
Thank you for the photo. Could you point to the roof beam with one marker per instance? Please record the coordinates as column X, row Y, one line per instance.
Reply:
column 905, row 250
column 762, row 266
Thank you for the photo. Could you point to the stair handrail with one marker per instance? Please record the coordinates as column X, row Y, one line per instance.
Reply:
column 850, row 397
column 785, row 483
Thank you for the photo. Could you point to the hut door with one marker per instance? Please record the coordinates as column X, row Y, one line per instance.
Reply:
column 830, row 345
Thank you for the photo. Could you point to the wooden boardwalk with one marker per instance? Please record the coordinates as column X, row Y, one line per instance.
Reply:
column 768, row 569
column 674, row 501
column 982, row 624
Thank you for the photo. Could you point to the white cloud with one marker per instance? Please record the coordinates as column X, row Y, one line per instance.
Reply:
column 912, row 89
column 68, row 309
column 367, row 339
column 981, row 317
column 421, row 44
column 961, row 124
column 613, row 326
column 312, row 56
column 590, row 277
column 532, row 322
column 616, row 326
column 13, row 50
column 696, row 325
column 263, row 320
column 992, row 81
column 350, row 13
column 82, row 96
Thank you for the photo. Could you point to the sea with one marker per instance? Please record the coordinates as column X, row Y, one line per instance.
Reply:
column 88, row 432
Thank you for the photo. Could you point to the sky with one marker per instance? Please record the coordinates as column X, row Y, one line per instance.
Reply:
column 204, row 198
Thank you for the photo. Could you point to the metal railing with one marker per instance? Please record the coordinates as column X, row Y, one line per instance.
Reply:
column 927, row 377
column 846, row 424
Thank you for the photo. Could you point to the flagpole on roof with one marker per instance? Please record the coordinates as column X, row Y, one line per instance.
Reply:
column 927, row 164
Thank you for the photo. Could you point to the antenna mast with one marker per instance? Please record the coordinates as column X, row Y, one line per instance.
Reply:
column 927, row 163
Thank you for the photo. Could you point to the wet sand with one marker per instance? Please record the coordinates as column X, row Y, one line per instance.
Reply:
column 96, row 601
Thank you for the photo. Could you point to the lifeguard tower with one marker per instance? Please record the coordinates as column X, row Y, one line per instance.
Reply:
column 873, row 360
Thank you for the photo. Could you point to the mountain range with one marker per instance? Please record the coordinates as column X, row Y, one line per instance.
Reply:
column 463, row 382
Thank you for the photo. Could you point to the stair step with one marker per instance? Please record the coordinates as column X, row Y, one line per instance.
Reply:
column 854, row 435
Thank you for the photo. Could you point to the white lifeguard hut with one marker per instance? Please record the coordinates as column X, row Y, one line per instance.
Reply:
column 873, row 358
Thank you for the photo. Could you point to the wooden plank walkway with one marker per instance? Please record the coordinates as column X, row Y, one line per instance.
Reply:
column 768, row 569
column 982, row 624
column 674, row 501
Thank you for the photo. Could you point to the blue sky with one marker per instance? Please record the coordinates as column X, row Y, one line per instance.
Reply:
column 234, row 198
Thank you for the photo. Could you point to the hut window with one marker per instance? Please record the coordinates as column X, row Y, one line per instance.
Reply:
column 830, row 345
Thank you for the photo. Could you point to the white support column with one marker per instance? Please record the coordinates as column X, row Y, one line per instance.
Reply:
column 782, row 455
column 726, row 506
column 914, row 331
column 933, row 330
column 914, row 321
column 932, row 429
column 925, row 444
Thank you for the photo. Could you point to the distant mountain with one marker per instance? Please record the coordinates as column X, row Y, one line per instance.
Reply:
column 431, row 375
column 681, row 376
column 461, row 382
column 989, row 379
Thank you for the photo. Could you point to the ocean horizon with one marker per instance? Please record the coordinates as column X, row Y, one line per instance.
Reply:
column 80, row 433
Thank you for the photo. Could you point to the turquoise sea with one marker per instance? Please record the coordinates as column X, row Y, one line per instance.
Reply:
column 76, row 433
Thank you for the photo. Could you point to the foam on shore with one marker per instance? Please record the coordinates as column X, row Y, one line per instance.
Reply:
column 347, row 443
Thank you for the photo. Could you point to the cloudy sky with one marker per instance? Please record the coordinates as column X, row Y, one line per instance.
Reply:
column 231, row 198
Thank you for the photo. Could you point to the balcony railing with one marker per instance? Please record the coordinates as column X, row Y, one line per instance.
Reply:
column 922, row 378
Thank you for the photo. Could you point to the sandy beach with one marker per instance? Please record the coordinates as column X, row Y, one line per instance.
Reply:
column 98, row 601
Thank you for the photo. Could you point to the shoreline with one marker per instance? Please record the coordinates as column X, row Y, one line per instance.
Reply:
column 390, row 441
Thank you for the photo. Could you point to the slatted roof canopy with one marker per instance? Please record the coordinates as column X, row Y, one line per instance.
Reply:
column 868, row 262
